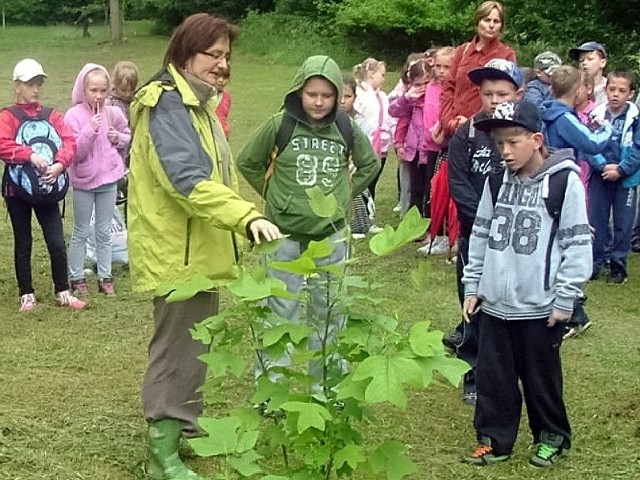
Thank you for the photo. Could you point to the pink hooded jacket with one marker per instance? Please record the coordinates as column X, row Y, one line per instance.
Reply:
column 97, row 161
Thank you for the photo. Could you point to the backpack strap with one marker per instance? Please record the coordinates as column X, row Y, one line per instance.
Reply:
column 495, row 181
column 21, row 115
column 285, row 130
column 554, row 202
column 557, row 189
column 343, row 121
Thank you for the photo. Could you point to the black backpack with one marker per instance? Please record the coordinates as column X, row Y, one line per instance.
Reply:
column 23, row 178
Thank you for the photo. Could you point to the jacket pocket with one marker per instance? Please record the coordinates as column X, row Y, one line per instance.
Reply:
column 187, row 243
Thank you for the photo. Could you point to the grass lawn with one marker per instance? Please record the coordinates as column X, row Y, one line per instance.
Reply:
column 70, row 381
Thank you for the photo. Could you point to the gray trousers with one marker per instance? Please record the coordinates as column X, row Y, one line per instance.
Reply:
column 83, row 206
column 174, row 372
column 322, row 293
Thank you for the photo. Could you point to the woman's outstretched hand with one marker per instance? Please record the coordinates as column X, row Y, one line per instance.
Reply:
column 264, row 229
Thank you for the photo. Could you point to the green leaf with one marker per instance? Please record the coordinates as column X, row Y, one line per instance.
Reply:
column 323, row 206
column 296, row 332
column 299, row 266
column 245, row 464
column 351, row 454
column 391, row 458
column 249, row 417
column 421, row 277
column 221, row 439
column 201, row 332
column 451, row 368
column 248, row 289
column 320, row 249
column 274, row 477
column 351, row 389
column 425, row 343
column 222, row 358
column 247, row 440
column 387, row 374
column 181, row 291
column 389, row 240
column 311, row 415
column 273, row 393
column 267, row 248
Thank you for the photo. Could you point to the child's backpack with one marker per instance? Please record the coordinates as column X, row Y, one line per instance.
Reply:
column 25, row 180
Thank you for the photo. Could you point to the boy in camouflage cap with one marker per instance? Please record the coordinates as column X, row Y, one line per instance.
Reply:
column 537, row 90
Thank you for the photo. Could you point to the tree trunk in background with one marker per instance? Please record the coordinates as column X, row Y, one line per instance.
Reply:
column 116, row 21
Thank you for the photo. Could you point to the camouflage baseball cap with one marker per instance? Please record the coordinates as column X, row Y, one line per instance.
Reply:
column 547, row 62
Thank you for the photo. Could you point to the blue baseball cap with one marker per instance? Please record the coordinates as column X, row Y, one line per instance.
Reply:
column 498, row 69
column 513, row 113
column 574, row 53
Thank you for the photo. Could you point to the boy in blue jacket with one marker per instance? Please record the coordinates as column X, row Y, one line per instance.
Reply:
column 525, row 271
column 615, row 176
column 563, row 128
column 538, row 90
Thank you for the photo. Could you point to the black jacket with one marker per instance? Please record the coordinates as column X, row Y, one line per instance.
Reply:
column 471, row 160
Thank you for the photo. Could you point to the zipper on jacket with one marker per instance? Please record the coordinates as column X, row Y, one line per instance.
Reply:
column 188, row 243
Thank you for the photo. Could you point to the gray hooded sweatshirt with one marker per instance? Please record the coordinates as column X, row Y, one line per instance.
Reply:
column 509, row 241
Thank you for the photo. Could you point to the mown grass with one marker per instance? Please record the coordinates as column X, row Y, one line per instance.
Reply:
column 70, row 381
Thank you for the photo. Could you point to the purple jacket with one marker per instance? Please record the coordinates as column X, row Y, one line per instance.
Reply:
column 97, row 161
column 403, row 107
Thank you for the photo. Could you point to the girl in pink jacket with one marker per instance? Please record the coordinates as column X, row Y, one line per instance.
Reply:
column 100, row 131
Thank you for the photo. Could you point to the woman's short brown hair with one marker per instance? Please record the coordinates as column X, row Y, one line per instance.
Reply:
column 194, row 35
column 485, row 9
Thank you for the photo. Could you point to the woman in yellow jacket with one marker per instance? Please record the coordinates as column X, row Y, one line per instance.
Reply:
column 184, row 219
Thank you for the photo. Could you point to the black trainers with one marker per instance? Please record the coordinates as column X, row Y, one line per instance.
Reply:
column 635, row 246
column 576, row 330
column 617, row 278
column 549, row 450
column 452, row 340
column 484, row 454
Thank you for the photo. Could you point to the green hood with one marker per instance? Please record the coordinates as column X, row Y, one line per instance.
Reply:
column 316, row 66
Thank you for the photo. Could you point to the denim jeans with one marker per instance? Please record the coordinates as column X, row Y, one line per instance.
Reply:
column 611, row 198
column 83, row 205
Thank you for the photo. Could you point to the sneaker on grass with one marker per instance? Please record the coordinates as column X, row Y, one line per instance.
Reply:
column 65, row 299
column 549, row 450
column 577, row 330
column 484, row 454
column 27, row 302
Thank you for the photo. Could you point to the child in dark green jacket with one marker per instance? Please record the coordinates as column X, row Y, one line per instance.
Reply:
column 316, row 155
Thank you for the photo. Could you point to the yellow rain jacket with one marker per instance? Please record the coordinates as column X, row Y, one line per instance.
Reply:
column 183, row 207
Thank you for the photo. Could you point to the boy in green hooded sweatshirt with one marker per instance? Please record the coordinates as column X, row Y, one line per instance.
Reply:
column 316, row 155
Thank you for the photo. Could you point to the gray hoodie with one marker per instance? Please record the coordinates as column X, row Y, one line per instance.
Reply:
column 509, row 241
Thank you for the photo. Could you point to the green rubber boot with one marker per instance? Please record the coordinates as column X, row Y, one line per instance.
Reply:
column 164, row 463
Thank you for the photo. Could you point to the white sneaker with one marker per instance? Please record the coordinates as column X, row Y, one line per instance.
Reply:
column 65, row 299
column 375, row 229
column 439, row 246
column 358, row 236
column 397, row 208
column 27, row 302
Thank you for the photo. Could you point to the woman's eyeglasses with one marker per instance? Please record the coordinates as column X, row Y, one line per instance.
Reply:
column 217, row 55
